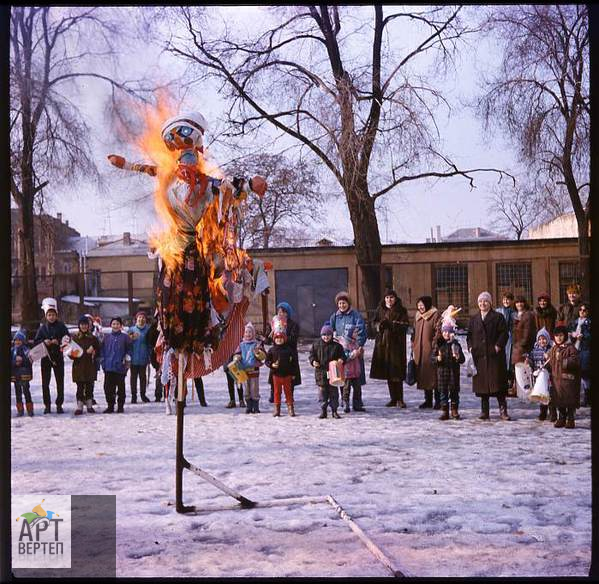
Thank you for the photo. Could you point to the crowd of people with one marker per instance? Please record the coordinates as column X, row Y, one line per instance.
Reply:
column 543, row 337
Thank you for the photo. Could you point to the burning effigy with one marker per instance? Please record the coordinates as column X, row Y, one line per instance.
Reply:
column 205, row 280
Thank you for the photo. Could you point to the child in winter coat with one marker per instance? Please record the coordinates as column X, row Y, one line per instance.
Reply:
column 282, row 361
column 564, row 364
column 21, row 373
column 323, row 351
column 537, row 358
column 116, row 357
column 84, row 366
column 448, row 356
column 250, row 356
column 353, row 351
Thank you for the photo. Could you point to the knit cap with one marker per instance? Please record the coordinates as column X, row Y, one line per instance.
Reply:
column 545, row 334
column 327, row 329
column 485, row 296
column 19, row 336
column 249, row 328
column 83, row 319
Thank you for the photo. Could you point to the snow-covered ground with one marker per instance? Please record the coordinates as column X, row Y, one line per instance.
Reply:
column 454, row 498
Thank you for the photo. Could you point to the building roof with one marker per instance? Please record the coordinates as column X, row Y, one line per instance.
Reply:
column 125, row 245
column 472, row 233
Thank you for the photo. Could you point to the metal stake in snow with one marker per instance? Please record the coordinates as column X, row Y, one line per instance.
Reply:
column 372, row 548
column 182, row 463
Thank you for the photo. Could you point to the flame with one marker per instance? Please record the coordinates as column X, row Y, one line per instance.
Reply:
column 215, row 234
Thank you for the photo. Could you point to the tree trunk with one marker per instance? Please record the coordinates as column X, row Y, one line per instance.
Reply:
column 369, row 249
column 29, row 300
column 584, row 250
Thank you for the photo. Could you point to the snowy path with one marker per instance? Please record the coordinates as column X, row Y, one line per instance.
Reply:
column 455, row 498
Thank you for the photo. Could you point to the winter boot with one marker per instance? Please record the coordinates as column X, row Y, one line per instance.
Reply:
column 346, row 406
column 399, row 393
column 291, row 410
column 454, row 412
column 484, row 408
column 109, row 410
column 392, row 394
column 59, row 410
column 240, row 394
column 134, row 398
column 144, row 398
column 502, row 402
column 428, row 400
column 552, row 414
column 437, row 405
column 79, row 409
column 29, row 406
column 334, row 414
column 47, row 409
column 89, row 404
column 561, row 421
column 277, row 411
column 445, row 413
column 231, row 404
column 249, row 406
column 256, row 406
column 323, row 413
column 20, row 411
column 542, row 413
column 570, row 412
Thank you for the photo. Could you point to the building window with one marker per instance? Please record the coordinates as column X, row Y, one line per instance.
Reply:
column 514, row 278
column 387, row 278
column 569, row 273
column 451, row 285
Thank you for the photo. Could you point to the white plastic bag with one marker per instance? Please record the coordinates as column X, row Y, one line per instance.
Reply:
column 540, row 391
column 524, row 380
column 470, row 366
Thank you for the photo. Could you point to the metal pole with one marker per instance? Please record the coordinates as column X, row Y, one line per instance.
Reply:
column 179, row 464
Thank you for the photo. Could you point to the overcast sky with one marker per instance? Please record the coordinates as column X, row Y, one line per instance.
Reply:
column 411, row 211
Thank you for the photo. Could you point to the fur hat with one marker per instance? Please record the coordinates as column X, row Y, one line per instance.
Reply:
column 84, row 319
column 573, row 288
column 486, row 296
column 342, row 296
column 117, row 318
column 544, row 296
column 560, row 330
column 327, row 329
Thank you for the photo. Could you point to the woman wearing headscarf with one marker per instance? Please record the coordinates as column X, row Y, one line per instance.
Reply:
column 285, row 311
column 427, row 324
column 389, row 355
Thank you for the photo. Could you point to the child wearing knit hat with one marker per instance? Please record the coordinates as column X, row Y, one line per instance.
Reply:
column 282, row 361
column 21, row 373
column 249, row 357
column 323, row 351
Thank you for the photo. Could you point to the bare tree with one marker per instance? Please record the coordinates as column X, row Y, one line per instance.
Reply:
column 49, row 138
column 331, row 78
column 540, row 96
column 513, row 211
column 293, row 199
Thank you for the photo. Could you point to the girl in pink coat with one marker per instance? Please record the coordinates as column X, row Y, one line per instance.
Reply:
column 352, row 368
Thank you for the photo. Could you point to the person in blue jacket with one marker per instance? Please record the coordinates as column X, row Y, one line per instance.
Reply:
column 21, row 373
column 116, row 357
column 345, row 316
column 140, row 356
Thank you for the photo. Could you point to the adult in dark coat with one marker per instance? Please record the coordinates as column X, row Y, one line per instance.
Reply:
column 486, row 339
column 389, row 354
column 568, row 311
column 51, row 334
column 524, row 333
column 508, row 312
column 427, row 326
column 580, row 334
column 564, row 363
column 284, row 310
column 545, row 313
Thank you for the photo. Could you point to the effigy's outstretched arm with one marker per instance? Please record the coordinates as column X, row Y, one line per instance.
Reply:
column 120, row 162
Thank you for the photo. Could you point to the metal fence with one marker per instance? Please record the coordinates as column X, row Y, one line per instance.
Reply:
column 120, row 292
